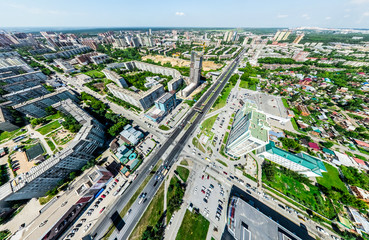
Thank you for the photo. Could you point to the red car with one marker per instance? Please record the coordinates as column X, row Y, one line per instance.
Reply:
column 208, row 176
column 116, row 180
column 225, row 173
column 102, row 209
column 103, row 196
column 202, row 177
column 202, row 191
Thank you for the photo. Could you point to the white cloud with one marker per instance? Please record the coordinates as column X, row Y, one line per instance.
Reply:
column 180, row 14
column 305, row 16
column 282, row 16
column 359, row 1
column 366, row 14
column 347, row 16
column 328, row 18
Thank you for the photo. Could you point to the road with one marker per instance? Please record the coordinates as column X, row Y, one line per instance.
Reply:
column 138, row 210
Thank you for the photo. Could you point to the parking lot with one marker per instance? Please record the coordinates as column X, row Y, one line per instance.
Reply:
column 175, row 116
column 210, row 197
column 147, row 146
column 99, row 206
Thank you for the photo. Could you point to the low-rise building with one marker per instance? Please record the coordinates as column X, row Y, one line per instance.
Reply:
column 303, row 109
column 301, row 162
column 66, row 66
column 130, row 135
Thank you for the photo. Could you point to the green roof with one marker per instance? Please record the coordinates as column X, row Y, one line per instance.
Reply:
column 257, row 122
column 312, row 163
column 326, row 150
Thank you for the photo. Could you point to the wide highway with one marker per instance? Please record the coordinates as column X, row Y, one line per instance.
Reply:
column 138, row 209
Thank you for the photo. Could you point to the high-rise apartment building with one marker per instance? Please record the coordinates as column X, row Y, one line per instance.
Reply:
column 46, row 175
column 195, row 67
column 298, row 38
column 249, row 131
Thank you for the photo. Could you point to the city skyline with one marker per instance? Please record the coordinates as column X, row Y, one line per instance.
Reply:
column 40, row 13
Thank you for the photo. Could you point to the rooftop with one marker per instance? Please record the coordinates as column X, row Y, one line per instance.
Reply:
column 165, row 97
column 312, row 163
column 250, row 224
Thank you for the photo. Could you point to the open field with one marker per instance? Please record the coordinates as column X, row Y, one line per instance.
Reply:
column 331, row 178
column 95, row 74
column 194, row 226
column 49, row 127
column 183, row 173
column 222, row 99
column 300, row 190
column 208, row 123
column 206, row 65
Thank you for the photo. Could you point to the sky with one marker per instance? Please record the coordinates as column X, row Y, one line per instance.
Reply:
column 185, row 13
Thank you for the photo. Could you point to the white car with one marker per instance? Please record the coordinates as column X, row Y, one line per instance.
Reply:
column 322, row 230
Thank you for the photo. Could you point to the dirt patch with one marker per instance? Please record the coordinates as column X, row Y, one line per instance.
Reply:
column 206, row 65
column 99, row 86
column 24, row 164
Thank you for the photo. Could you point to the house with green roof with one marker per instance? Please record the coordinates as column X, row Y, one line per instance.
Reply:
column 301, row 162
column 250, row 131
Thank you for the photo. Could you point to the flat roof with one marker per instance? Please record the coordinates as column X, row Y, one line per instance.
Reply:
column 312, row 163
column 251, row 224
column 269, row 104
column 165, row 97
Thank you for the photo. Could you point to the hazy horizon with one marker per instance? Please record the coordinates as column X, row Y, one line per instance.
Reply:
column 189, row 14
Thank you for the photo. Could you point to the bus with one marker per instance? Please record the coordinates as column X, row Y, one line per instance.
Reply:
column 99, row 192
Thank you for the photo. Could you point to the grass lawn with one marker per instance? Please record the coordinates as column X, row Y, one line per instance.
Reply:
column 244, row 84
column 184, row 163
column 306, row 194
column 198, row 145
column 221, row 162
column 285, row 104
column 53, row 117
column 51, row 144
column 95, row 73
column 208, row 124
column 331, row 178
column 194, row 226
column 151, row 215
column 44, row 200
column 171, row 193
column 183, row 173
column 49, row 127
column 6, row 135
column 163, row 127
column 222, row 99
column 225, row 137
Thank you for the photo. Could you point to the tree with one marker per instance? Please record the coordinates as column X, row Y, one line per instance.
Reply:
column 327, row 144
column 269, row 170
column 50, row 110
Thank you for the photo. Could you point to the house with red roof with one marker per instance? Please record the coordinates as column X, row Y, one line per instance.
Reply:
column 314, row 146
column 361, row 163
column 362, row 144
